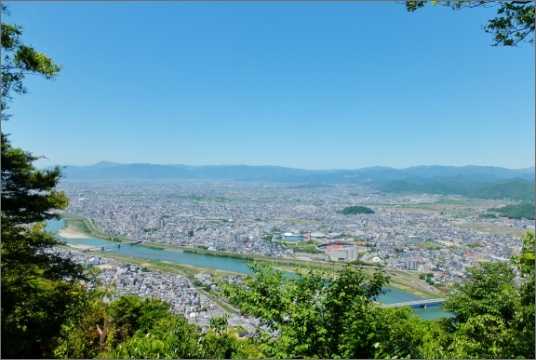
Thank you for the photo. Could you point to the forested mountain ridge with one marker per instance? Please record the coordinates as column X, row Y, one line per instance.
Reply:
column 515, row 190
column 524, row 210
column 424, row 174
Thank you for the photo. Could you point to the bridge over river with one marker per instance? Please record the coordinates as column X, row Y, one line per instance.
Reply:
column 111, row 246
column 418, row 303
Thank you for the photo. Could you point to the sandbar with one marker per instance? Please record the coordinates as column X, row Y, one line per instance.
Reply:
column 70, row 233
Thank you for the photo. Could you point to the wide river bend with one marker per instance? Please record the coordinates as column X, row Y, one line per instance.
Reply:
column 223, row 263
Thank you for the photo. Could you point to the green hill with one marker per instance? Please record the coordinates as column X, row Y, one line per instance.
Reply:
column 351, row 210
column 525, row 210
column 444, row 188
column 514, row 190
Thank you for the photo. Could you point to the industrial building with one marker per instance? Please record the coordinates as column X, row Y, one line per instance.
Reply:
column 338, row 251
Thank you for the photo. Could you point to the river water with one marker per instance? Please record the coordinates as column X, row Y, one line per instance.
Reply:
column 222, row 263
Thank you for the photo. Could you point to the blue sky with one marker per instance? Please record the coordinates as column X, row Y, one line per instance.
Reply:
column 312, row 85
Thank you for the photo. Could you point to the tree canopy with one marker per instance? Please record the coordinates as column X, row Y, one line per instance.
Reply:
column 38, row 286
column 352, row 210
column 18, row 61
column 513, row 24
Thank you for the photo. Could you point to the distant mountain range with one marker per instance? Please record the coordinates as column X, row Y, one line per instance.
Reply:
column 106, row 170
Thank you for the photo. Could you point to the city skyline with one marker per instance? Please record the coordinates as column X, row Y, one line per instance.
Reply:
column 301, row 85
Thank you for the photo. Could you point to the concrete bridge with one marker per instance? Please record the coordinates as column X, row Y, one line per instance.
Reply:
column 418, row 303
column 111, row 246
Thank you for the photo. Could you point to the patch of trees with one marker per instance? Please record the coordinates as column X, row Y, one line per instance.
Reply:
column 352, row 210
column 307, row 249
column 219, row 254
column 513, row 24
column 473, row 245
column 200, row 284
column 444, row 188
column 516, row 190
column 149, row 247
column 525, row 210
column 318, row 315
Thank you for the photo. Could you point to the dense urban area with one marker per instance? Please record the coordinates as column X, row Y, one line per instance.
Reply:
column 426, row 233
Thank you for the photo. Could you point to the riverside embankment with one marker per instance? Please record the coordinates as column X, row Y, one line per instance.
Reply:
column 213, row 262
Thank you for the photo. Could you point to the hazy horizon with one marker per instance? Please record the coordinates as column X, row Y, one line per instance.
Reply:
column 299, row 168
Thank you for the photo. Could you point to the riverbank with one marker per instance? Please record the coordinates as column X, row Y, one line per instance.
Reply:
column 167, row 266
column 72, row 233
column 400, row 280
column 85, row 226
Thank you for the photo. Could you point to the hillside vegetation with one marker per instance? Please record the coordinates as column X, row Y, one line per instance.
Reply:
column 443, row 188
column 515, row 190
column 525, row 210
column 351, row 210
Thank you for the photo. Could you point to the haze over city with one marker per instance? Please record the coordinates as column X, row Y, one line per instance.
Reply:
column 302, row 85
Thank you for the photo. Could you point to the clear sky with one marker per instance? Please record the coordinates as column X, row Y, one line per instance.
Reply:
column 312, row 85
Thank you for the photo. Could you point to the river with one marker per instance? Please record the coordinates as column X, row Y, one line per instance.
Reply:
column 222, row 263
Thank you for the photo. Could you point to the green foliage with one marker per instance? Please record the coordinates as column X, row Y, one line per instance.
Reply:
column 321, row 315
column 473, row 245
column 514, row 23
column 18, row 61
column 36, row 298
column 514, row 190
column 307, row 249
column 28, row 195
column 351, row 210
column 133, row 315
column 204, row 247
column 79, row 337
column 200, row 284
column 488, row 319
column 133, row 328
column 219, row 254
column 445, row 188
column 149, row 246
column 526, row 317
column 428, row 246
column 525, row 210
